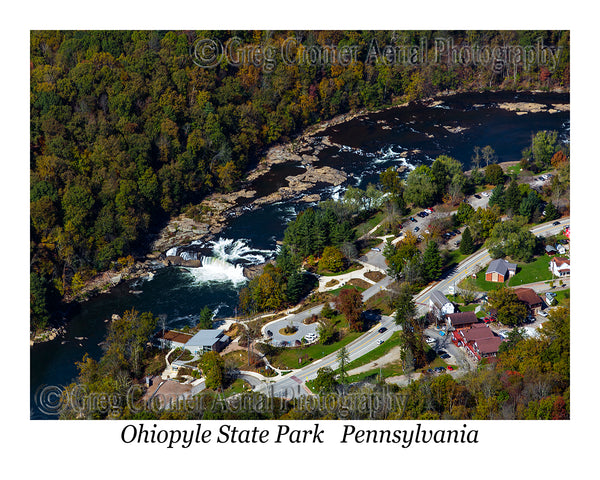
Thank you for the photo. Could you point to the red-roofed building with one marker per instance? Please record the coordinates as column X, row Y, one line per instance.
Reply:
column 479, row 341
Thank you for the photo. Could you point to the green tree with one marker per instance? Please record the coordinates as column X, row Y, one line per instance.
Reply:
column 551, row 212
column 213, row 368
column 405, row 306
column 332, row 260
column 432, row 262
column 464, row 213
column 325, row 381
column 420, row 188
column 39, row 301
column 543, row 148
column 511, row 239
column 206, row 318
column 466, row 244
column 343, row 359
column 494, row 174
column 510, row 310
column 497, row 197
column 512, row 198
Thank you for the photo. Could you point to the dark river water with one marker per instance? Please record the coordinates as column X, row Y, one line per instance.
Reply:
column 410, row 136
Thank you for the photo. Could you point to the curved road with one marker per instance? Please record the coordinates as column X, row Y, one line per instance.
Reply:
column 292, row 385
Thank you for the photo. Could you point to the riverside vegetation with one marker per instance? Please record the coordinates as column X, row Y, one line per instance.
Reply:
column 126, row 132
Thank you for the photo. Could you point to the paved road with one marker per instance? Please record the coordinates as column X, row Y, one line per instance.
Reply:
column 478, row 260
column 292, row 384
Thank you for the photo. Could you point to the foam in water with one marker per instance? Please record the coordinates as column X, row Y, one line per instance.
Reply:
column 217, row 270
column 171, row 252
column 231, row 250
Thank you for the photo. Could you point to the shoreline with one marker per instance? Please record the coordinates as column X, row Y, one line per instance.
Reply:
column 218, row 208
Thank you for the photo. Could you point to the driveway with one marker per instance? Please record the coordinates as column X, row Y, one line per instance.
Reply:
column 297, row 321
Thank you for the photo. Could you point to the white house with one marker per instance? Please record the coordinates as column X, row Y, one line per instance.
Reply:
column 560, row 267
column 439, row 304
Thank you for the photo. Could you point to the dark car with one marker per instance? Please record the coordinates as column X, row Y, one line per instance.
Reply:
column 382, row 329
column 413, row 219
column 269, row 333
column 441, row 352
column 444, row 356
column 555, row 223
column 477, row 196
column 416, row 229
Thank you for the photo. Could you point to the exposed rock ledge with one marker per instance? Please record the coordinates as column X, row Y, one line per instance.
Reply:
column 522, row 108
column 300, row 183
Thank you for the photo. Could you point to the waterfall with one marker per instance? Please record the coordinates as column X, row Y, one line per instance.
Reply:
column 217, row 270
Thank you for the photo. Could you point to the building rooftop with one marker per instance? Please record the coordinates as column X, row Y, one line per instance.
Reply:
column 173, row 336
column 528, row 296
column 206, row 338
column 477, row 332
column 501, row 266
column 462, row 318
column 439, row 299
column 559, row 261
column 488, row 345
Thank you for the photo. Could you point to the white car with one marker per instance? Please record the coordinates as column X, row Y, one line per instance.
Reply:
column 485, row 194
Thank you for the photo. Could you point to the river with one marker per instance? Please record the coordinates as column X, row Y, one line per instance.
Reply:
column 410, row 135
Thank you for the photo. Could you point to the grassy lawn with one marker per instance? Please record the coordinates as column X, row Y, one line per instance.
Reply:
column 453, row 257
column 377, row 352
column 289, row 358
column 485, row 286
column 562, row 296
column 467, row 308
column 238, row 386
column 369, row 224
column 380, row 302
column 351, row 268
column 337, row 291
column 535, row 271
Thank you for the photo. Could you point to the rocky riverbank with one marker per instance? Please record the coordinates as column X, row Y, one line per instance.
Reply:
column 207, row 219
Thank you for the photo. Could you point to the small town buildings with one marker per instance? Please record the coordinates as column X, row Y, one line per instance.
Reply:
column 560, row 248
column 560, row 267
column 207, row 340
column 439, row 304
column 550, row 250
column 479, row 341
column 500, row 270
column 203, row 341
column 530, row 298
column 461, row 320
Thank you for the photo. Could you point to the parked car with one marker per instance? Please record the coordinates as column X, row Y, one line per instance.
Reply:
column 477, row 196
column 544, row 314
column 413, row 219
column 450, row 368
column 485, row 194
column 375, row 249
column 382, row 329
column 444, row 356
column 416, row 229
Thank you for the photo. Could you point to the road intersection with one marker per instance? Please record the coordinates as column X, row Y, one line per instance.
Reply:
column 292, row 384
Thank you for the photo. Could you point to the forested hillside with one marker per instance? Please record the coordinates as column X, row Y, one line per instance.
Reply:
column 126, row 130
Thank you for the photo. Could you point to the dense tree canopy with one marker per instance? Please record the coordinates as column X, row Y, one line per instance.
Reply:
column 127, row 131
